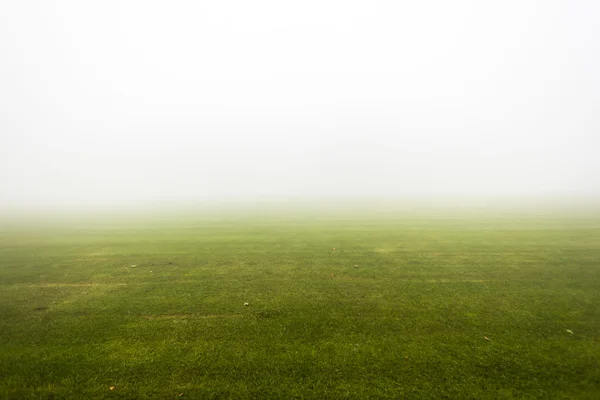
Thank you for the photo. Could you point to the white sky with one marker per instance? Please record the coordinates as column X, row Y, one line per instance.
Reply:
column 111, row 102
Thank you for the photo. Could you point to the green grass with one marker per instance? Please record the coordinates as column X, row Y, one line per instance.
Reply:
column 409, row 321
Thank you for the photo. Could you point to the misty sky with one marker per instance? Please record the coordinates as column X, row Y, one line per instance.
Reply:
column 111, row 102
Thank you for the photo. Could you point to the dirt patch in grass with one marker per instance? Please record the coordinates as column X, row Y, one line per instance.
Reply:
column 191, row 316
column 59, row 284
column 384, row 250
column 459, row 280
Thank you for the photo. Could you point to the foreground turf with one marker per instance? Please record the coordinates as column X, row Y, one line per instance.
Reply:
column 446, row 306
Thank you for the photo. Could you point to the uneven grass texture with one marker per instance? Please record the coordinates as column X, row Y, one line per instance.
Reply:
column 430, row 307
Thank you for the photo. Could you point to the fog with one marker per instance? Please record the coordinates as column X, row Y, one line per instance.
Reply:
column 141, row 102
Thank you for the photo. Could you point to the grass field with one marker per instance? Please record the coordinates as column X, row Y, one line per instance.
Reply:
column 444, row 305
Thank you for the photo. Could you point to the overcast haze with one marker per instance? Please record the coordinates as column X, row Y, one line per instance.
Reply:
column 120, row 102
